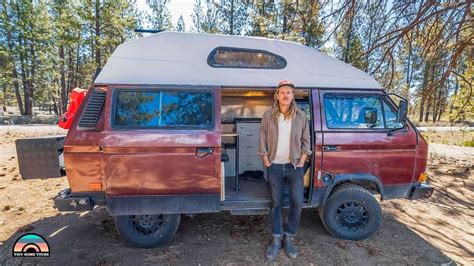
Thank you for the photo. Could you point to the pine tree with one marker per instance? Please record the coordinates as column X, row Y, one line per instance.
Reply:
column 180, row 24
column 348, row 43
column 308, row 24
column 8, row 37
column 66, row 36
column 198, row 17
column 264, row 19
column 160, row 17
column 210, row 23
column 233, row 16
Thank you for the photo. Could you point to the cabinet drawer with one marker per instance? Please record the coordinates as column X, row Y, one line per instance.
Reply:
column 248, row 148
column 251, row 163
column 249, row 136
column 248, row 127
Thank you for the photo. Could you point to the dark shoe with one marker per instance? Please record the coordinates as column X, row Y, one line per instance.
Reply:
column 272, row 250
column 289, row 246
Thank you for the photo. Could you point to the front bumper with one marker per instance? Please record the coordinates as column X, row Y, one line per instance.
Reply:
column 421, row 191
column 65, row 202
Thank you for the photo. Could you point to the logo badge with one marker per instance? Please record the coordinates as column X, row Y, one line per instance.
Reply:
column 31, row 245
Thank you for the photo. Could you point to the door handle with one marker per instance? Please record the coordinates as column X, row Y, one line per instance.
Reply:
column 331, row 148
column 203, row 152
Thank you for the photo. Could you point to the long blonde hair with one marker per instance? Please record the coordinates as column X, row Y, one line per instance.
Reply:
column 276, row 108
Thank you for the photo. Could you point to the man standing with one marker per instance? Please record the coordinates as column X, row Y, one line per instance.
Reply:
column 284, row 146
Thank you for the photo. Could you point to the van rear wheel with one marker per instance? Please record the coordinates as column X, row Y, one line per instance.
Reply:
column 351, row 212
column 147, row 231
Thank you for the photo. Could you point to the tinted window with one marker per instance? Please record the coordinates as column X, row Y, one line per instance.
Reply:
column 390, row 117
column 155, row 108
column 353, row 111
column 245, row 58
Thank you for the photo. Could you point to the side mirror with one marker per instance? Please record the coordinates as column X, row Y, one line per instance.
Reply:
column 402, row 111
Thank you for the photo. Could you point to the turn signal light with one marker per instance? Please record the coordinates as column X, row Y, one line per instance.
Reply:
column 95, row 185
column 423, row 177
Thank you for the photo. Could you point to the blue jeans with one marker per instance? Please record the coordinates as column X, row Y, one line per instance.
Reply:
column 278, row 175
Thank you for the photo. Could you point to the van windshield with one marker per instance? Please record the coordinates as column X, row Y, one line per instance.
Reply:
column 353, row 111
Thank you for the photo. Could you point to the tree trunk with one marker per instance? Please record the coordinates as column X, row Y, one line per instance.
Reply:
column 70, row 71
column 32, row 81
column 424, row 87
column 55, row 105
column 97, row 33
column 16, row 86
column 285, row 18
column 77, row 62
column 428, row 106
column 435, row 104
column 24, row 80
column 441, row 110
column 345, row 53
column 232, row 17
column 422, row 107
column 455, row 94
column 62, row 71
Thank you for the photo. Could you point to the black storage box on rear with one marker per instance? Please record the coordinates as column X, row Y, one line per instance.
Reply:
column 41, row 157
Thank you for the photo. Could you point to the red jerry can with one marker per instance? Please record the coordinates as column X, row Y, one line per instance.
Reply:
column 75, row 99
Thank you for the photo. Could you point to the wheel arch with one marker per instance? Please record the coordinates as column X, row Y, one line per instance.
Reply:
column 367, row 181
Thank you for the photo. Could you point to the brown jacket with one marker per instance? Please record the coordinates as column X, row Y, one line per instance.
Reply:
column 300, row 140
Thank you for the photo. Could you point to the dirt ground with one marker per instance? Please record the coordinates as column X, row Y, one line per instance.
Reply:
column 458, row 137
column 438, row 230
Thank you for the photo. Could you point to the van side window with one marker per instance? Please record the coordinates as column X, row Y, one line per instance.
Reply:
column 163, row 109
column 390, row 117
column 244, row 58
column 351, row 111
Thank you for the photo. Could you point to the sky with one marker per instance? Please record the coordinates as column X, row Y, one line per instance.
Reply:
column 176, row 8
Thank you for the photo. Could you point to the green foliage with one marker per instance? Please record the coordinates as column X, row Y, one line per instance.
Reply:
column 180, row 25
column 418, row 49
column 462, row 100
column 206, row 18
column 211, row 19
column 52, row 46
column 349, row 46
column 469, row 143
column 233, row 16
column 160, row 17
column 197, row 17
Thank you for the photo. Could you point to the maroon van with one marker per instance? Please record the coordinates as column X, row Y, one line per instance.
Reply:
column 171, row 124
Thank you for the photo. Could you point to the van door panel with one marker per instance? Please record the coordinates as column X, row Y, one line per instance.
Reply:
column 391, row 158
column 160, row 171
column 162, row 162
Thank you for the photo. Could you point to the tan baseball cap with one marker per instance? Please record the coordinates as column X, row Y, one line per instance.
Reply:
column 285, row 82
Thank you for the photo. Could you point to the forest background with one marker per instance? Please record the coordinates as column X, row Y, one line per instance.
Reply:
column 422, row 50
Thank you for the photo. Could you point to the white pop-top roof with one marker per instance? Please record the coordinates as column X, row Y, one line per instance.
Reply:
column 181, row 58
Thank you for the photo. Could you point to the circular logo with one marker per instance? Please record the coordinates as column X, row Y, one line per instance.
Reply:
column 31, row 245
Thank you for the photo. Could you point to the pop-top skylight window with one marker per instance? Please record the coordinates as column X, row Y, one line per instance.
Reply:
column 231, row 57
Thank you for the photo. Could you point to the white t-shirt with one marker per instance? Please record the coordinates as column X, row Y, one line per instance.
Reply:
column 284, row 135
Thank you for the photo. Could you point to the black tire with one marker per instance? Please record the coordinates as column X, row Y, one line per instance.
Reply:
column 147, row 231
column 351, row 212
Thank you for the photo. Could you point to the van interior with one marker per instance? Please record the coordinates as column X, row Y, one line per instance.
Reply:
column 243, row 171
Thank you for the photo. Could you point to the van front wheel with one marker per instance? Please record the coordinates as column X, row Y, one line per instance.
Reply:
column 147, row 231
column 351, row 212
